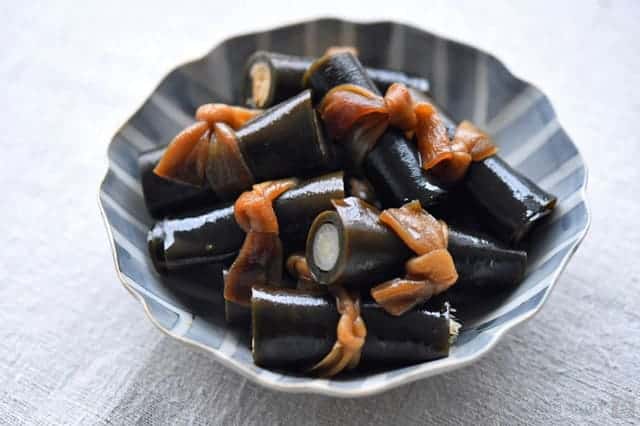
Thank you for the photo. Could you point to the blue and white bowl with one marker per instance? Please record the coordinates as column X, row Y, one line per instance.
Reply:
column 468, row 83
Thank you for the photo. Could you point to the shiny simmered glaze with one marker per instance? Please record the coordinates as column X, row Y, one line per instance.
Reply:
column 393, row 165
column 166, row 197
column 215, row 236
column 295, row 329
column 285, row 141
column 393, row 168
column 298, row 207
column 369, row 251
column 226, row 167
column 418, row 335
column 291, row 328
column 331, row 71
column 210, row 237
column 484, row 264
column 512, row 202
column 287, row 71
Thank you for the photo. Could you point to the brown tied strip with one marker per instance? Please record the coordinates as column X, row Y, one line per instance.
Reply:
column 351, row 335
column 259, row 261
column 351, row 330
column 431, row 272
column 185, row 158
column 298, row 268
column 354, row 113
column 334, row 50
column 229, row 174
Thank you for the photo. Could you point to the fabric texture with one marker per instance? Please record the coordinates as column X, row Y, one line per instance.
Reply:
column 75, row 348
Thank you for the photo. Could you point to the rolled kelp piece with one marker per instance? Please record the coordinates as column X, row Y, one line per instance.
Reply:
column 351, row 246
column 330, row 71
column 484, row 264
column 273, row 77
column 216, row 237
column 295, row 329
column 511, row 202
column 286, row 140
column 261, row 257
column 166, row 197
column 391, row 163
column 393, row 168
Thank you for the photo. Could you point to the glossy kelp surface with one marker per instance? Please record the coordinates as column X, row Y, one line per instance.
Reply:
column 393, row 168
column 285, row 77
column 393, row 165
column 512, row 202
column 368, row 252
column 214, row 236
column 166, row 197
column 335, row 70
column 286, row 140
column 294, row 329
column 484, row 264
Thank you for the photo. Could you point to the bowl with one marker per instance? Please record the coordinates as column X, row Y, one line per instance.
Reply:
column 467, row 82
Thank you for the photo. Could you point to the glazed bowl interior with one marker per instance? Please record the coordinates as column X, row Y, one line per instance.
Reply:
column 468, row 83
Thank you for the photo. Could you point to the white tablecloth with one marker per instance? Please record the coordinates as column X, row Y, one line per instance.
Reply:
column 76, row 348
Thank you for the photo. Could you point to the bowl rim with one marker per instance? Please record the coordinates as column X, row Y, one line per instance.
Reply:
column 419, row 371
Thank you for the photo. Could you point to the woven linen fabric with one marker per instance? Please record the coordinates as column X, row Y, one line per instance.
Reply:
column 75, row 348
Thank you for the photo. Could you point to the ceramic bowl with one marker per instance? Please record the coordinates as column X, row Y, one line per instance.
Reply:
column 467, row 82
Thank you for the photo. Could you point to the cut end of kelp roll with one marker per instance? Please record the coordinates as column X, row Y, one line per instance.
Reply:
column 326, row 246
column 213, row 236
column 260, row 75
column 454, row 331
column 155, row 244
column 350, row 246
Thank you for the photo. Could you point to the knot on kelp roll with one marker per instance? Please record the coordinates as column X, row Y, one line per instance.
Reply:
column 259, row 261
column 431, row 272
column 360, row 117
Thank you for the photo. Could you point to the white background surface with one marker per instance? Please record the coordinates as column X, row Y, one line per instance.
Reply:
column 76, row 348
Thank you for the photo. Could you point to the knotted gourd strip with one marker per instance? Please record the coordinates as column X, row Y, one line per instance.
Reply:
column 350, row 336
column 348, row 109
column 185, row 157
column 431, row 272
column 259, row 261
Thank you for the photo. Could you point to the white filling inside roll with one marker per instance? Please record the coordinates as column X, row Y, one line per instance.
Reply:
column 326, row 245
column 260, row 83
